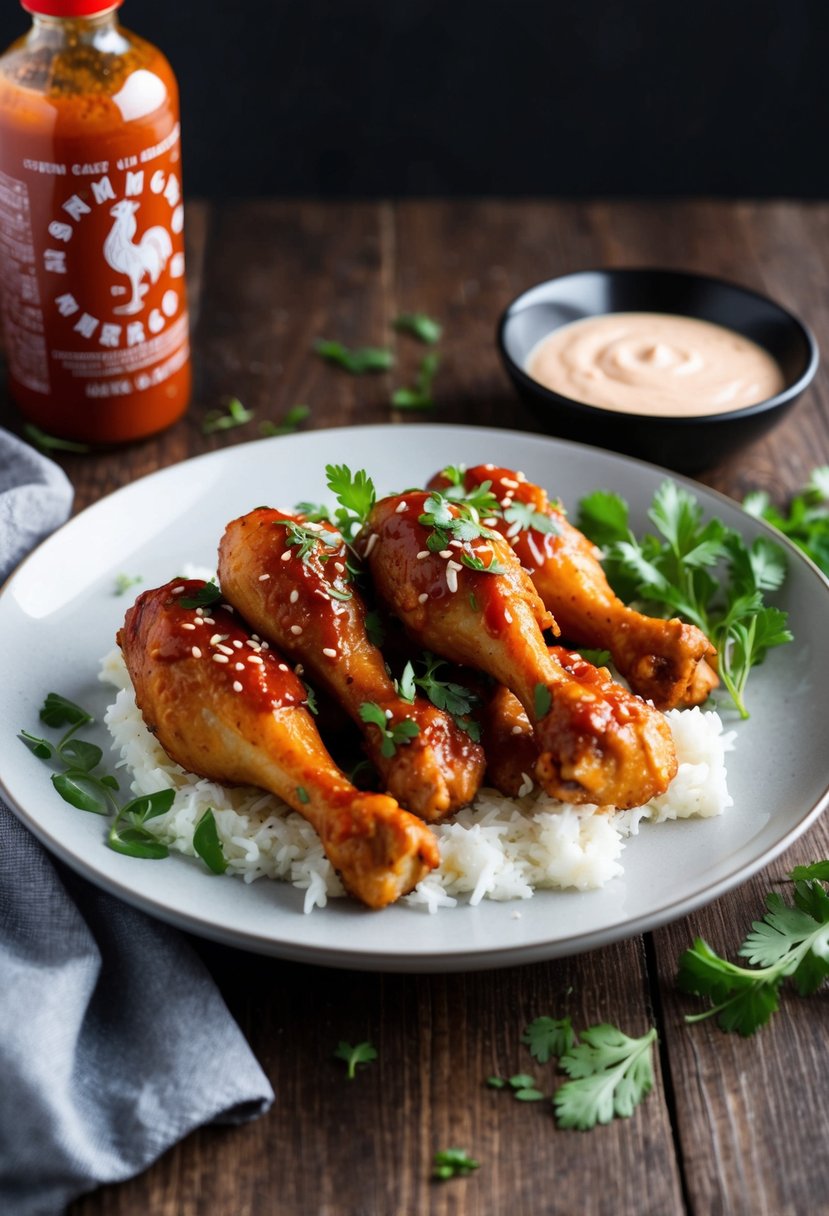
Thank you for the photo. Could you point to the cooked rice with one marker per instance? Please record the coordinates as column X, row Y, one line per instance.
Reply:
column 497, row 848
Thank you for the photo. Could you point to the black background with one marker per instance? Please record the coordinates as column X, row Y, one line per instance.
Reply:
column 563, row 97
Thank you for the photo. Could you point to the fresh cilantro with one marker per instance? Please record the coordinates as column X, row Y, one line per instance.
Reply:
column 419, row 326
column 405, row 686
column 549, row 1037
column 306, row 540
column 292, row 419
column 816, row 869
column 123, row 582
column 392, row 736
column 303, row 795
column 361, row 1053
column 451, row 521
column 476, row 563
column 356, row 495
column 356, row 362
column 209, row 594
column 524, row 1088
column 526, row 517
column 87, row 790
column 542, row 701
column 806, row 522
column 310, row 699
column 419, row 397
column 374, row 629
column 455, row 699
column 51, row 443
column 455, row 475
column 207, row 844
column 453, row 1163
column 702, row 571
column 479, row 496
column 599, row 658
column 791, row 940
column 232, row 416
column 610, row 1073
column 496, row 1083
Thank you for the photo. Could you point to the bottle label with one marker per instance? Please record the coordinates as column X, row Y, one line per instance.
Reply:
column 92, row 263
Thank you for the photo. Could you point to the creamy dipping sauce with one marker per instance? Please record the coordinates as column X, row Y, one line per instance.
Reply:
column 655, row 363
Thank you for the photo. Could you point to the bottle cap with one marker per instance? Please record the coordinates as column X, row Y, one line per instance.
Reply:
column 69, row 8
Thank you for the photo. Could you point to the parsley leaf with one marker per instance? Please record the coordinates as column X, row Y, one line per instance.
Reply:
column 420, row 396
column 419, row 326
column 209, row 594
column 232, row 416
column 305, row 540
column 453, row 1163
column 356, row 362
column 455, row 699
column 548, row 1037
column 394, row 734
column 806, row 522
column 451, row 521
column 356, row 495
column 526, row 517
column 291, row 421
column 610, row 1073
column 361, row 1053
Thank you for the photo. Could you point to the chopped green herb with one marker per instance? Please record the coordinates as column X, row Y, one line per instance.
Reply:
column 496, row 1082
column 233, row 415
column 357, row 362
column 123, row 582
column 207, row 844
column 406, row 684
column 306, row 540
column 420, row 396
column 209, row 594
column 303, row 795
column 361, row 1053
column 790, row 940
column 453, row 1163
column 704, row 572
column 394, row 735
column 291, row 421
column 451, row 521
column 60, row 711
column 521, row 1080
column 610, row 1073
column 806, row 522
column 474, row 562
column 549, row 1037
column 134, row 840
column 51, row 443
column 542, row 700
column 525, row 515
column 356, row 495
column 419, row 326
column 374, row 629
column 310, row 699
column 456, row 699
column 599, row 658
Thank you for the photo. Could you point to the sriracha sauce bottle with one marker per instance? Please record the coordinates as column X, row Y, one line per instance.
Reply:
column 91, row 227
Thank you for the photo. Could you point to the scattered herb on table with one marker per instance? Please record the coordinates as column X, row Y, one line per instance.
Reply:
column 123, row 582
column 453, row 1163
column 361, row 1053
column 419, row 325
column 549, row 1037
column 524, row 1088
column 84, row 788
column 792, row 940
column 234, row 414
column 610, row 1073
column 806, row 522
column 51, row 443
column 356, row 362
column 704, row 572
column 419, row 397
column 393, row 735
column 291, row 421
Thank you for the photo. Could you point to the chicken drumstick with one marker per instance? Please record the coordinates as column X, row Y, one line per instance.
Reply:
column 461, row 591
column 290, row 580
column 226, row 707
column 667, row 662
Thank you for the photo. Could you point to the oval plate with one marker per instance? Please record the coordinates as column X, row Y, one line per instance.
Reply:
column 63, row 596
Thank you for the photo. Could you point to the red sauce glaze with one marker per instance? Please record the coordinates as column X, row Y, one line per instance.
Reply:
column 173, row 633
column 613, row 700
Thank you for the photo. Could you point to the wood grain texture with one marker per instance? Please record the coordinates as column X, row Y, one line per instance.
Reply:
column 734, row 1126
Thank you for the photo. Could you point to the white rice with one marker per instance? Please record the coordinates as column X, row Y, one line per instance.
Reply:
column 496, row 848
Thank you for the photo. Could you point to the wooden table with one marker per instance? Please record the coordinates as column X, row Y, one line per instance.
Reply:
column 734, row 1126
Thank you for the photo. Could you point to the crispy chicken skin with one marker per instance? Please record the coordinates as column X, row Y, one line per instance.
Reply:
column 228, row 708
column 667, row 662
column 596, row 744
column 305, row 603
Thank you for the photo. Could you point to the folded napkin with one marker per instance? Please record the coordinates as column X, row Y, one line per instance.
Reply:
column 114, row 1040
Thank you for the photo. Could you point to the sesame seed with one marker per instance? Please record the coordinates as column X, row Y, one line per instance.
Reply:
column 224, row 649
column 509, row 483
column 508, row 616
column 237, row 686
column 422, row 598
column 517, row 730
column 514, row 529
column 286, row 556
column 195, row 652
column 490, row 522
column 220, row 658
column 238, row 667
column 318, row 591
column 237, row 643
column 445, row 554
column 228, row 608
column 489, row 467
column 255, row 658
column 263, row 578
column 188, row 625
column 520, row 476
column 217, row 637
column 506, row 501
column 401, row 507
column 372, row 541
column 299, row 669
column 453, row 565
column 266, row 645
column 256, row 637
column 208, row 620
column 422, row 555
column 296, row 630
column 284, row 667
column 199, row 612
column 329, row 651
column 294, row 596
column 451, row 577
column 456, row 544
column 177, row 590
column 312, row 526
column 388, row 713
column 339, row 567
column 253, row 645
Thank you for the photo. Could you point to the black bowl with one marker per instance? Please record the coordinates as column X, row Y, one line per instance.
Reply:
column 686, row 444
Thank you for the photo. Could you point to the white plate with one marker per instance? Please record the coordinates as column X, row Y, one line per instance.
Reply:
column 58, row 616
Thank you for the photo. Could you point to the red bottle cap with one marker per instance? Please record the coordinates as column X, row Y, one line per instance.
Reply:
column 69, row 8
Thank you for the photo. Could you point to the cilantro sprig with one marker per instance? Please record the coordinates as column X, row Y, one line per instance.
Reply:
column 356, row 362
column 480, row 496
column 352, row 1056
column 453, row 1163
column 291, row 421
column 790, row 942
column 355, row 494
column 452, row 521
column 392, row 734
column 455, row 699
column 307, row 540
column 419, row 325
column 234, row 414
column 702, row 571
column 806, row 522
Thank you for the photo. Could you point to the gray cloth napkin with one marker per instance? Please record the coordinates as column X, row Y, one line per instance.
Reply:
column 114, row 1040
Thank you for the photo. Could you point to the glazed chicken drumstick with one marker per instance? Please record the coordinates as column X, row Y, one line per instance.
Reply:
column 226, row 707
column 290, row 580
column 460, row 591
column 667, row 662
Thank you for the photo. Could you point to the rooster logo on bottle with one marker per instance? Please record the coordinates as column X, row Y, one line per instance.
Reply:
column 132, row 258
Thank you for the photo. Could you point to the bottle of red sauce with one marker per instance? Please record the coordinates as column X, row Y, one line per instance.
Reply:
column 91, row 227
